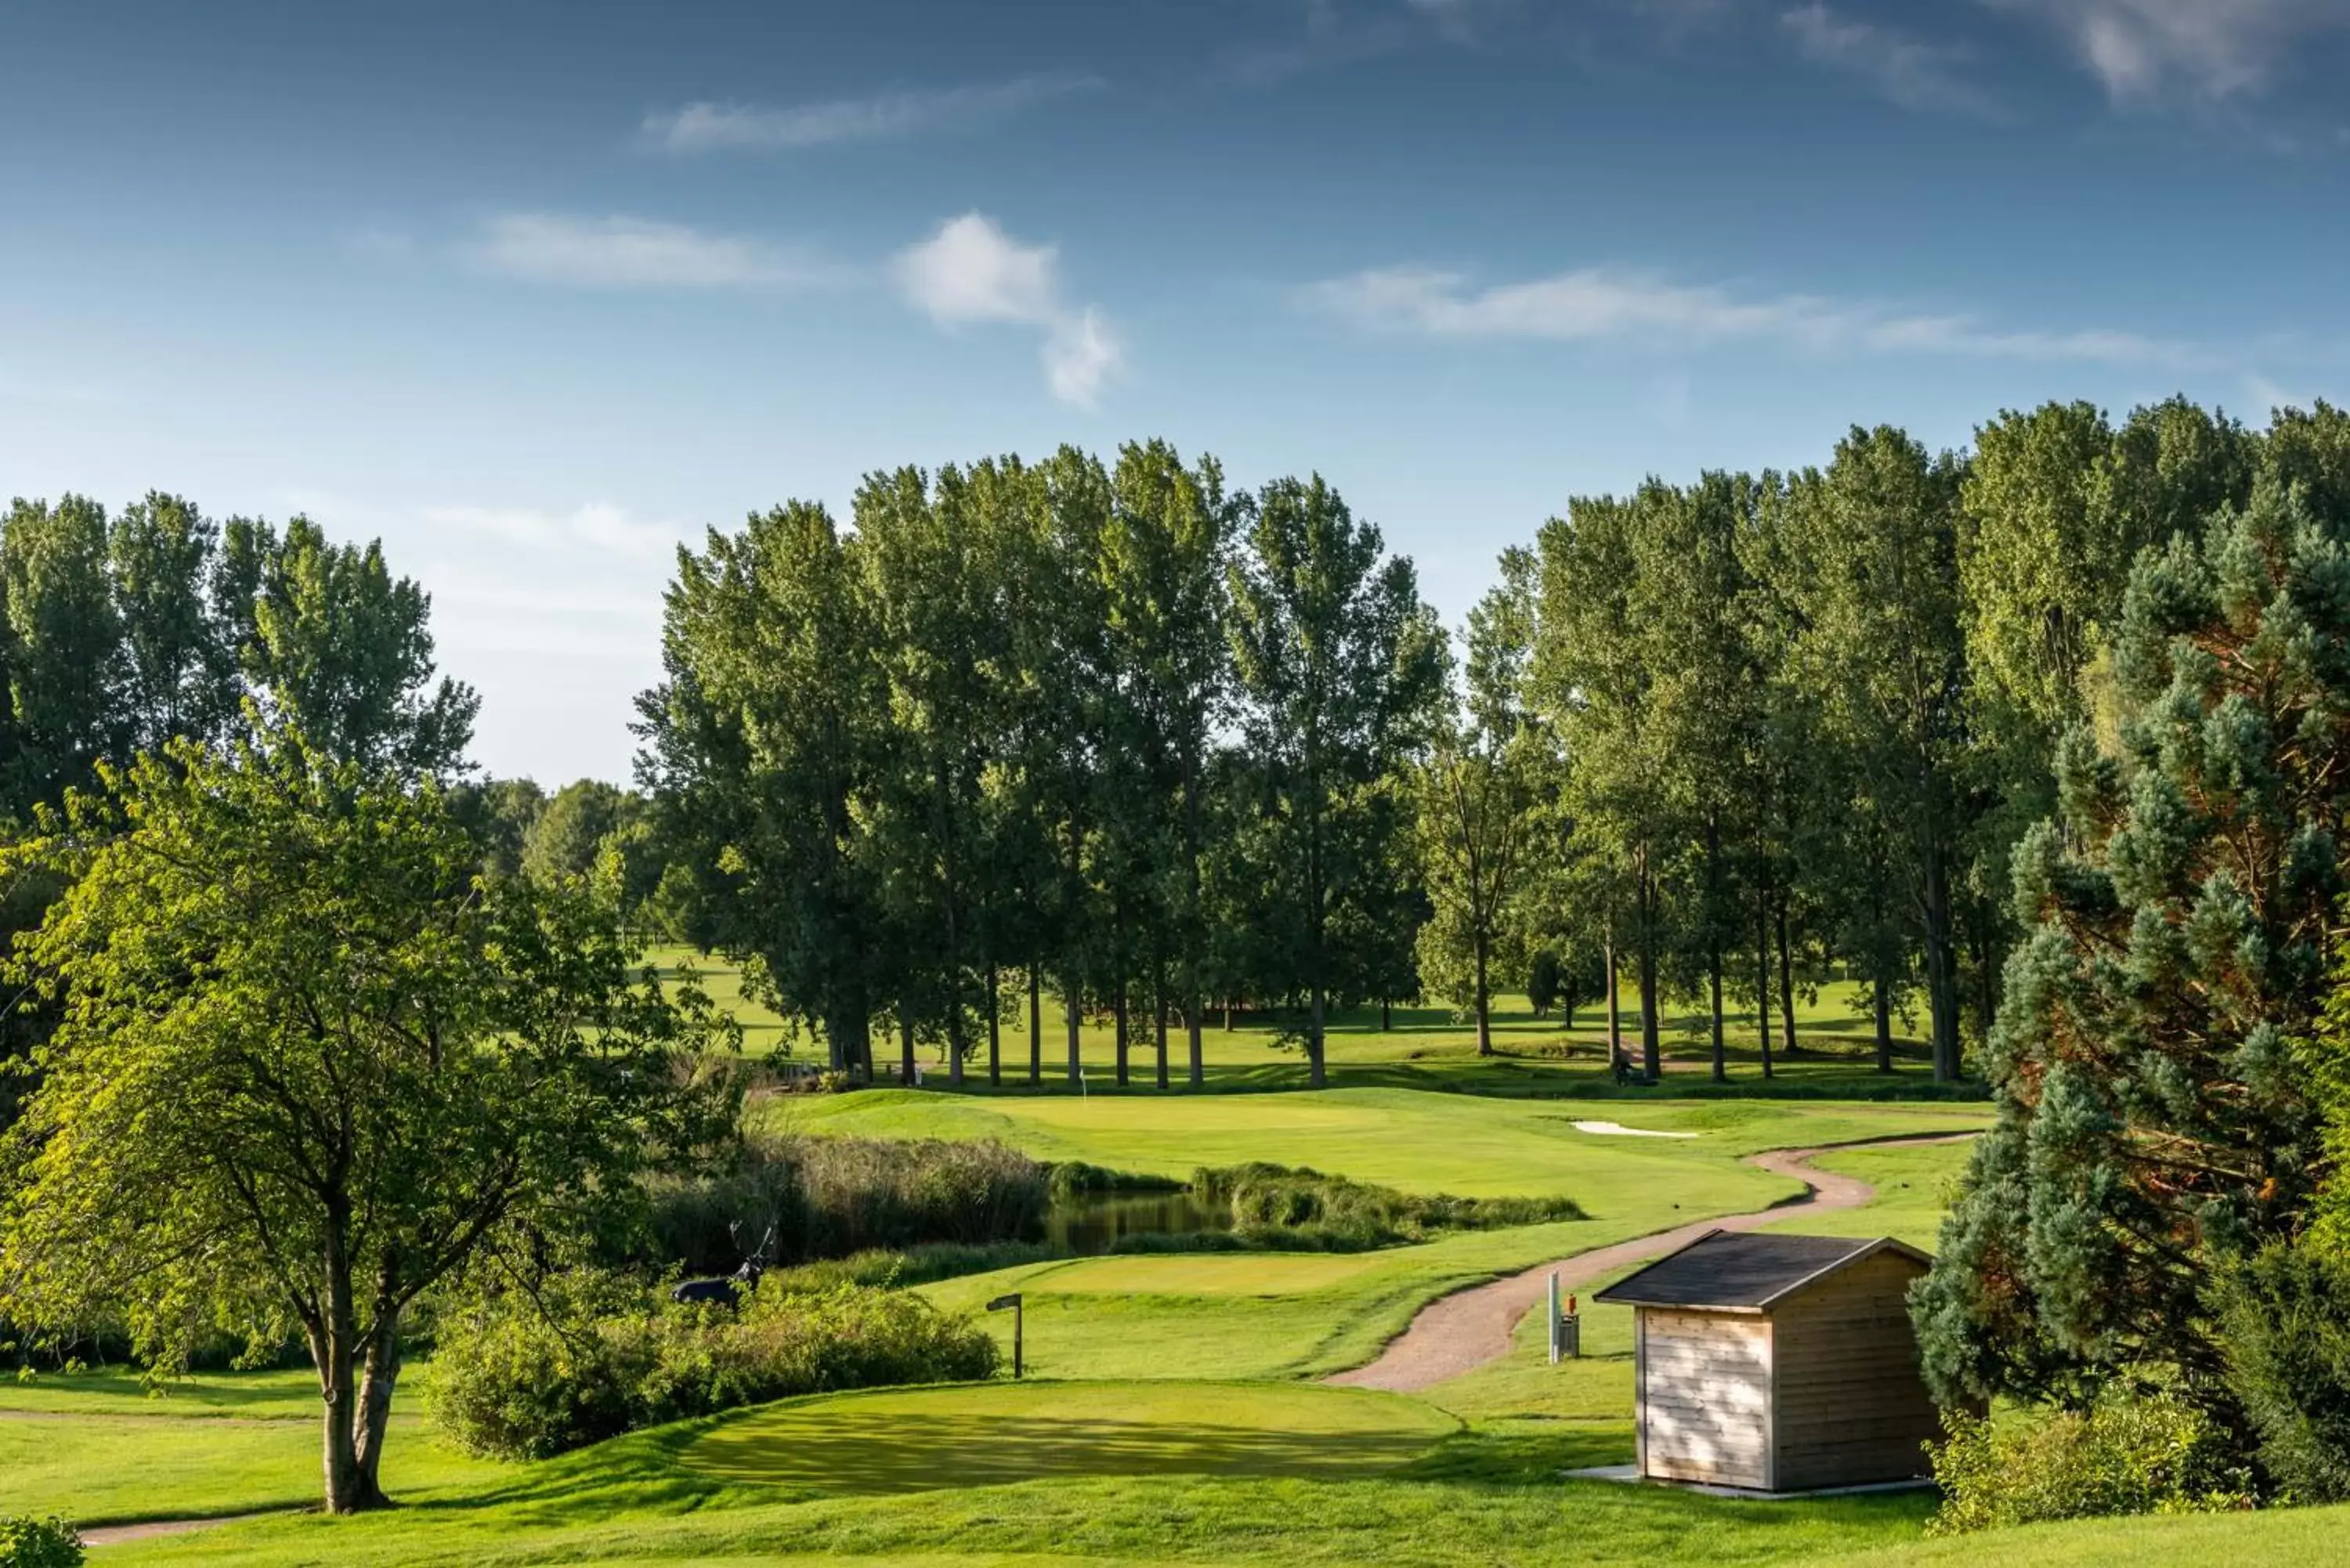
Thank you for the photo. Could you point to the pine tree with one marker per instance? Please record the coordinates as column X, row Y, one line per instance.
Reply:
column 2155, row 1111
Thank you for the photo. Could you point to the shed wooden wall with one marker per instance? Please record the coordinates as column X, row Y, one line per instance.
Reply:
column 1705, row 1396
column 1850, row 1406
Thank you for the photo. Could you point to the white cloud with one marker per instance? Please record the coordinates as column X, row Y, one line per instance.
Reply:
column 629, row 253
column 1599, row 303
column 971, row 273
column 597, row 525
column 2144, row 50
column 712, row 126
column 1079, row 355
column 1908, row 71
column 970, row 270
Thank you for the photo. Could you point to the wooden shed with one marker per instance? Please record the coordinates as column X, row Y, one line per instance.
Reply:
column 1779, row 1363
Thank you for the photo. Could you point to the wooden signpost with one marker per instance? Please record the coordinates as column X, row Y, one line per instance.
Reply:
column 1013, row 1301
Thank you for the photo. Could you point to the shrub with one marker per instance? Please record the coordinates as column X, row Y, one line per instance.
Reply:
column 2284, row 1318
column 514, row 1381
column 1276, row 1204
column 1542, row 980
column 833, row 1197
column 27, row 1542
column 2150, row 1453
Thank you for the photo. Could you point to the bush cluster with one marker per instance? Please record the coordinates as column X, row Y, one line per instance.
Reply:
column 835, row 1196
column 27, row 1542
column 2150, row 1453
column 1305, row 1208
column 586, row 1358
column 2284, row 1319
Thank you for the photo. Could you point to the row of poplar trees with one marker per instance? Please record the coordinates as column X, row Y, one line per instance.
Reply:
column 1117, row 731
column 1124, row 734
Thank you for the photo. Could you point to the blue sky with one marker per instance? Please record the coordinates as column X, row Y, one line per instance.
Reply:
column 534, row 292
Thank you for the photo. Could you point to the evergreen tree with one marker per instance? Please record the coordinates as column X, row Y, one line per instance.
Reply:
column 2155, row 1112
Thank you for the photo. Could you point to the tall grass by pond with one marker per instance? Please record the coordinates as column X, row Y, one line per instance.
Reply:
column 828, row 1198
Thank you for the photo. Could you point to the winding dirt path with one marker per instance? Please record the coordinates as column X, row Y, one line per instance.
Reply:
column 118, row 1534
column 1461, row 1332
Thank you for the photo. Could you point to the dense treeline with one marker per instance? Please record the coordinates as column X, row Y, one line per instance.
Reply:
column 1116, row 731
column 156, row 623
column 1152, row 744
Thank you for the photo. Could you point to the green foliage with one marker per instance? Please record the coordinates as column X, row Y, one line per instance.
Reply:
column 1339, row 665
column 2284, row 1319
column 2150, row 1453
column 519, row 1376
column 306, row 1067
column 832, row 1197
column 907, row 1266
column 39, row 1543
column 2155, row 1115
column 564, row 838
column 1276, row 1205
column 1543, row 980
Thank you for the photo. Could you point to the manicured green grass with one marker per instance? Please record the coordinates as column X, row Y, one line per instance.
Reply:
column 101, row 1470
column 1481, row 1495
column 1291, row 1315
column 921, row 1439
column 1424, row 1047
column 1415, row 1140
column 280, row 1395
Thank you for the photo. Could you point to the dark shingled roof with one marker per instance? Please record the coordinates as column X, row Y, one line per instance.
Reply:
column 1728, row 1269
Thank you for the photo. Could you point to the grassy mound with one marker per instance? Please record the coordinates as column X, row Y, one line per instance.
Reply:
column 917, row 1439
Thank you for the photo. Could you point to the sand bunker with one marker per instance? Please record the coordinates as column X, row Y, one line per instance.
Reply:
column 1617, row 1129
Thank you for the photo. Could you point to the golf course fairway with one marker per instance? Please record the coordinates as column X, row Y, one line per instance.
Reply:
column 919, row 1438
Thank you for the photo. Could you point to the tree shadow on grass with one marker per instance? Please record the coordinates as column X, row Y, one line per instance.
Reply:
column 903, row 1451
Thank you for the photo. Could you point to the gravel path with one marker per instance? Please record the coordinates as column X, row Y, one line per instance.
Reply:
column 1461, row 1332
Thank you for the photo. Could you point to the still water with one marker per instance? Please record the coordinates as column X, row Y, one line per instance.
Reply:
column 1090, row 1225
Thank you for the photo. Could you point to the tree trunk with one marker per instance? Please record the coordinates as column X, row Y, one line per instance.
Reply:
column 334, row 1349
column 994, row 1028
column 1941, row 978
column 906, row 1044
column 1192, row 1009
column 1073, row 994
column 1713, row 940
column 1713, row 975
column 1762, row 976
column 1387, row 1016
column 1117, row 1009
column 1884, row 1020
column 1161, row 1025
column 379, row 1372
column 1786, row 982
column 1314, row 1077
column 1615, row 1016
column 1485, row 1017
column 1036, row 1029
column 1651, row 1056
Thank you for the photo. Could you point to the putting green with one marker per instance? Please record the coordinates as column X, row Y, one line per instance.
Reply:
column 993, row 1434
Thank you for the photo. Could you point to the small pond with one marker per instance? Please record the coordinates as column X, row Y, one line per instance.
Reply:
column 1092, row 1223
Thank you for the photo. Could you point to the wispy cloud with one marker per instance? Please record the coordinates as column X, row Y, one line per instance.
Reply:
column 2145, row 51
column 596, row 527
column 971, row 273
column 630, row 252
column 1597, row 303
column 714, row 127
column 1911, row 72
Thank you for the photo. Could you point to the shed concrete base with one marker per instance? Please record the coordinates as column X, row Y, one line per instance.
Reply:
column 1630, row 1475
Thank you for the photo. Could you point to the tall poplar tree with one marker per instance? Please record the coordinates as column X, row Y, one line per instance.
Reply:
column 1339, row 664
